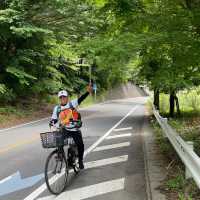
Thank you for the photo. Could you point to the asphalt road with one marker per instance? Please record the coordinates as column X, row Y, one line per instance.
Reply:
column 114, row 166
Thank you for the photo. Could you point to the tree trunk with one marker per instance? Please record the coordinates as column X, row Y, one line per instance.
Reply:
column 156, row 98
column 188, row 4
column 171, row 103
column 177, row 105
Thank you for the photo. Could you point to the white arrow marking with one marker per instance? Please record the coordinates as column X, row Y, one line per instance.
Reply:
column 119, row 136
column 14, row 183
column 123, row 129
column 112, row 146
column 6, row 179
column 90, row 191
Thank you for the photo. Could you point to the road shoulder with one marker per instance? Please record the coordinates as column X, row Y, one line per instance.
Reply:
column 154, row 163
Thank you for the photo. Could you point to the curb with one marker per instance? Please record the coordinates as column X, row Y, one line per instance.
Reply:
column 155, row 172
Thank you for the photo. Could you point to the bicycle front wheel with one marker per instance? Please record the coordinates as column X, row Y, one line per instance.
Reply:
column 56, row 172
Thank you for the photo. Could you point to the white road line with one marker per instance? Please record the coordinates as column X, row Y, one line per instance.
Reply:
column 51, row 197
column 112, row 146
column 43, row 187
column 21, row 125
column 123, row 129
column 88, row 165
column 119, row 136
column 108, row 133
column 93, row 164
column 92, row 190
column 107, row 161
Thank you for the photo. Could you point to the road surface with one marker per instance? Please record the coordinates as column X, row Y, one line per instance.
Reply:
column 114, row 162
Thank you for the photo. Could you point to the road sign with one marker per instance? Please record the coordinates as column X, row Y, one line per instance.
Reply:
column 94, row 86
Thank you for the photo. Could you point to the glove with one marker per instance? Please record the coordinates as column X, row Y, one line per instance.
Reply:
column 52, row 122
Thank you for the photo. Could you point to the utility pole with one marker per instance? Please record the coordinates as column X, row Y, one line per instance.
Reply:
column 90, row 74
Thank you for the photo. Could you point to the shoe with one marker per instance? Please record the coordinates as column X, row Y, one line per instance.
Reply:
column 81, row 165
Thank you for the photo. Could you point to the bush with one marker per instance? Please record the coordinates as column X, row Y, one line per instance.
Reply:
column 7, row 96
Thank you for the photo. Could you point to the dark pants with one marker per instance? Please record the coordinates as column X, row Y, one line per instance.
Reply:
column 78, row 139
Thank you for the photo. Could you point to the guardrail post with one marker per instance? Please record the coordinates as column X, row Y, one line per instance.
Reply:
column 187, row 172
column 165, row 119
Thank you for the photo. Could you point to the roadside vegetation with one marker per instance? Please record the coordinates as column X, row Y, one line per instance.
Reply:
column 48, row 45
column 175, row 186
column 11, row 115
column 187, row 125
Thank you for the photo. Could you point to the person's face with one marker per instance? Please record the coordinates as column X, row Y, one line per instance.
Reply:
column 63, row 100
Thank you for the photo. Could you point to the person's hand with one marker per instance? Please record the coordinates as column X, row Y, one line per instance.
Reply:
column 89, row 88
column 51, row 123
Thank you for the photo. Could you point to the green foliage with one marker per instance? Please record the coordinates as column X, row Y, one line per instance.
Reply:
column 189, row 101
column 2, row 88
column 176, row 183
column 37, row 39
column 143, row 41
column 20, row 75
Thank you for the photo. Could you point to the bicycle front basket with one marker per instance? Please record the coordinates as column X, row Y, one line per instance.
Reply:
column 52, row 139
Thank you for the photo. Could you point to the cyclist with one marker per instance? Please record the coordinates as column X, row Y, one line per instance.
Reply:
column 75, row 133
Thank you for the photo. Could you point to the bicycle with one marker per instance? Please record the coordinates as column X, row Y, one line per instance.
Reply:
column 61, row 160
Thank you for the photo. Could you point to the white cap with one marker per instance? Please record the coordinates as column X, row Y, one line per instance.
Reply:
column 63, row 93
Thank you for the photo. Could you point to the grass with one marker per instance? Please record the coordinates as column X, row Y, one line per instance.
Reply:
column 188, row 124
column 188, row 100
column 176, row 183
column 188, row 127
column 175, row 187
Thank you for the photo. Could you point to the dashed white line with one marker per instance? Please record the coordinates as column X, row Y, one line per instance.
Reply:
column 108, row 133
column 91, row 191
column 107, row 161
column 118, row 136
column 112, row 146
column 123, row 129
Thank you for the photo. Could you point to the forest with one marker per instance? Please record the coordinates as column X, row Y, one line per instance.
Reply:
column 49, row 45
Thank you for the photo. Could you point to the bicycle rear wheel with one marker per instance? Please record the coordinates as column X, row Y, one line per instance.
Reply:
column 56, row 172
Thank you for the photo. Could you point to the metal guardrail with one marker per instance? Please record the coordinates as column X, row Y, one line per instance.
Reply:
column 184, row 149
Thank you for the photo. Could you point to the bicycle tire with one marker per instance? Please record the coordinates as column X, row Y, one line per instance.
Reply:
column 63, row 173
